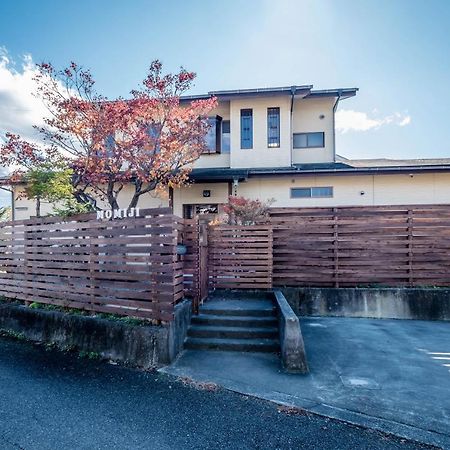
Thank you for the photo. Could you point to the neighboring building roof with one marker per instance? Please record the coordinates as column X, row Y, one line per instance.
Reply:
column 344, row 167
column 304, row 91
column 385, row 162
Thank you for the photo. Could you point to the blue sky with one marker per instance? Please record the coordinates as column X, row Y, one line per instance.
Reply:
column 396, row 52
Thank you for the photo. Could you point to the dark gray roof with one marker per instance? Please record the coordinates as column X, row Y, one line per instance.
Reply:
column 357, row 167
column 305, row 91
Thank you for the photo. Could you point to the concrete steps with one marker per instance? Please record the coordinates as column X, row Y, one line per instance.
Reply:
column 235, row 324
column 224, row 332
column 240, row 345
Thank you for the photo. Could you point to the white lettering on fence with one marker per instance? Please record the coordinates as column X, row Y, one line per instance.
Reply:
column 120, row 213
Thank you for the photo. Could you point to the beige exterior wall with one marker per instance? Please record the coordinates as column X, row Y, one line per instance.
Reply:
column 260, row 155
column 348, row 190
column 193, row 194
column 216, row 160
column 306, row 118
column 398, row 189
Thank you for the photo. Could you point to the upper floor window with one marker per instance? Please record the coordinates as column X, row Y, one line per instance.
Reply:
column 309, row 140
column 273, row 127
column 213, row 136
column 246, row 128
column 110, row 145
column 226, row 136
column 312, row 192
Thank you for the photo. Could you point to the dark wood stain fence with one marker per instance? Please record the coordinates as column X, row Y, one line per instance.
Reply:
column 240, row 257
column 360, row 246
column 130, row 266
column 124, row 266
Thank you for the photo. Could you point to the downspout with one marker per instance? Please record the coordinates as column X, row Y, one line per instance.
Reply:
column 334, row 123
column 291, row 138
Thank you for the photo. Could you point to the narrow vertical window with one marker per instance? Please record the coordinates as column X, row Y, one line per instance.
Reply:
column 213, row 136
column 226, row 136
column 273, row 127
column 246, row 128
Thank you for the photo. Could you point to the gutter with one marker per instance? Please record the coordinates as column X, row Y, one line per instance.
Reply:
column 336, row 103
column 352, row 170
column 291, row 136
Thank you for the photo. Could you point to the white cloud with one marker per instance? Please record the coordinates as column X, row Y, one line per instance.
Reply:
column 405, row 121
column 19, row 109
column 349, row 120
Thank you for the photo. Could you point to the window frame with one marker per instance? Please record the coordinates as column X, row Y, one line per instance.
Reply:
column 311, row 190
column 224, row 148
column 217, row 122
column 307, row 134
column 250, row 146
column 277, row 119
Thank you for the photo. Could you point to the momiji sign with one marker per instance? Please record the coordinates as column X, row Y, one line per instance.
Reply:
column 119, row 213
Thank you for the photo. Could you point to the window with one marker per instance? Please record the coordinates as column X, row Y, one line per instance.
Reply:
column 226, row 136
column 191, row 211
column 154, row 132
column 309, row 140
column 312, row 192
column 273, row 127
column 213, row 138
column 110, row 145
column 246, row 128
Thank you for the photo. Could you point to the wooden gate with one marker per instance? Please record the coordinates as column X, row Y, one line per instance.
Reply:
column 203, row 263
column 240, row 257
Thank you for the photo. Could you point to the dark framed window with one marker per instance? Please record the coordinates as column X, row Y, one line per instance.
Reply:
column 273, row 127
column 110, row 145
column 246, row 128
column 309, row 140
column 192, row 211
column 226, row 136
column 213, row 136
column 312, row 192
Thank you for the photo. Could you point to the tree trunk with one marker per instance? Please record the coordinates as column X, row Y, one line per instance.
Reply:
column 138, row 191
column 38, row 207
column 112, row 200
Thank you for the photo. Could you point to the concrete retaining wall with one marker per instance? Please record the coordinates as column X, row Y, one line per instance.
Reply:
column 142, row 346
column 293, row 355
column 380, row 303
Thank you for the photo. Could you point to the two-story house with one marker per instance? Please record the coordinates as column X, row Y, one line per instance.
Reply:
column 279, row 143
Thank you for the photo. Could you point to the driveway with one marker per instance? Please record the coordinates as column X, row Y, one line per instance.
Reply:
column 391, row 375
column 52, row 400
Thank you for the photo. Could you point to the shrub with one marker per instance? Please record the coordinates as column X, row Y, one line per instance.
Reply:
column 244, row 211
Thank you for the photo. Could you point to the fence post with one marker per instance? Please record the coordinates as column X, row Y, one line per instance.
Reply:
column 410, row 249
column 336, row 248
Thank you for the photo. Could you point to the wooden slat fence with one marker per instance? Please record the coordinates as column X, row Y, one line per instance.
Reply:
column 125, row 266
column 195, row 262
column 240, row 257
column 360, row 246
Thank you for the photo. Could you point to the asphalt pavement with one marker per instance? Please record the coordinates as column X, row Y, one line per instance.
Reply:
column 53, row 400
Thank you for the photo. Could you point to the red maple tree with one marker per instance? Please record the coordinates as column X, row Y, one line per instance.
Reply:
column 149, row 140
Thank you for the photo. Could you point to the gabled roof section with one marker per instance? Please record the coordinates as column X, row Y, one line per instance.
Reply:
column 304, row 91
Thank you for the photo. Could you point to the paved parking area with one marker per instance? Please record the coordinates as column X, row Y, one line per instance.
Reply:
column 391, row 375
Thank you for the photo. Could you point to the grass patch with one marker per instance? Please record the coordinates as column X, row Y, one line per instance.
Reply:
column 128, row 320
column 13, row 335
column 89, row 355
